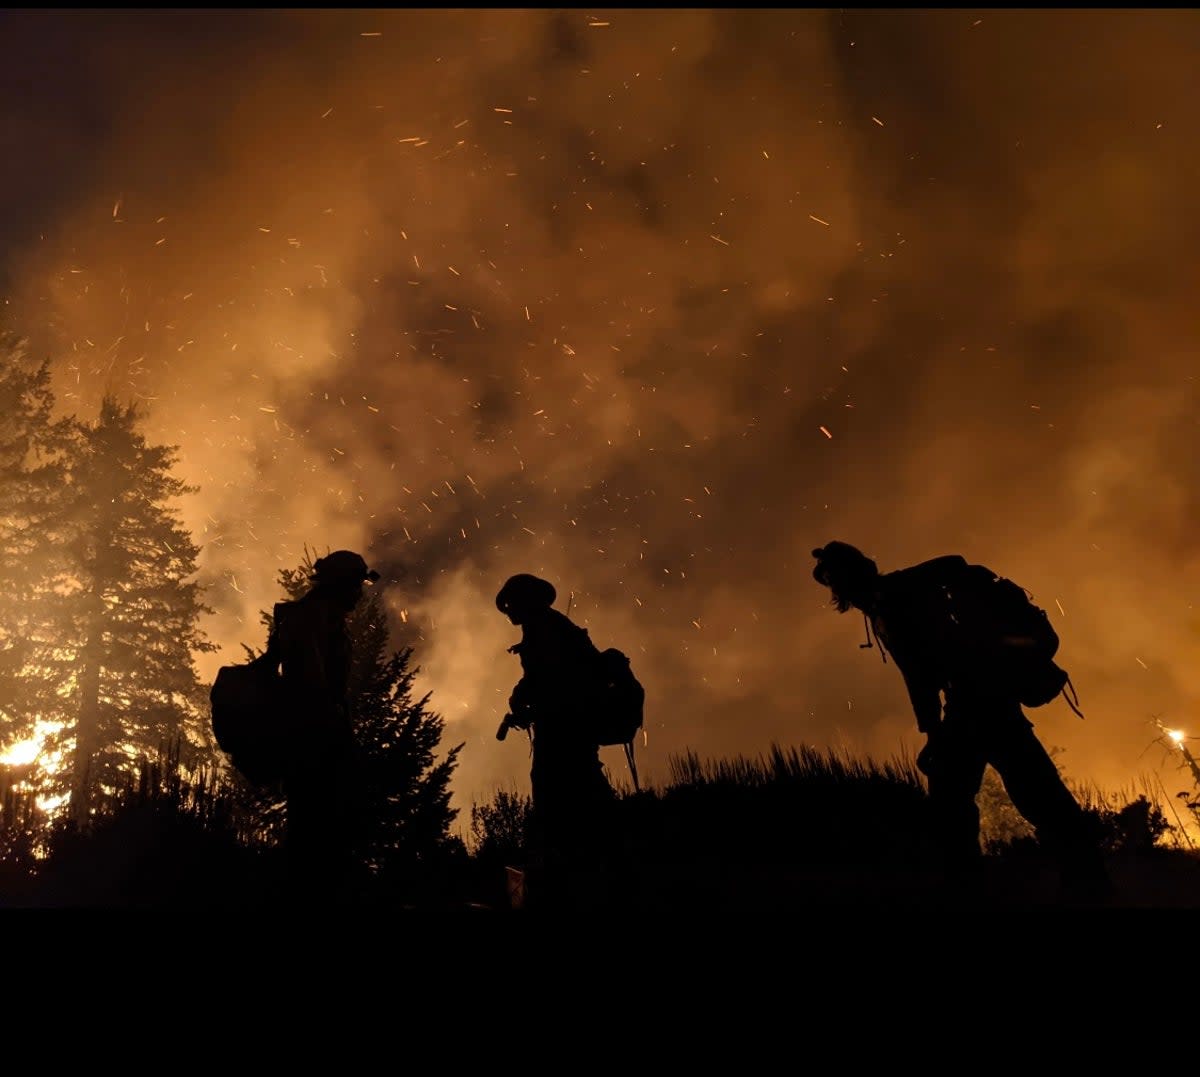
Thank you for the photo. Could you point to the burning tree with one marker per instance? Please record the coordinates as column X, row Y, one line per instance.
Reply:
column 126, row 615
column 33, row 448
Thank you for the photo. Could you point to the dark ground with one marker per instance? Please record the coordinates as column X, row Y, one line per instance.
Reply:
column 1160, row 880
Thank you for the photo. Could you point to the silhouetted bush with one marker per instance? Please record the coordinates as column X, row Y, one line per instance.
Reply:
column 791, row 805
column 809, row 825
column 169, row 837
column 795, row 824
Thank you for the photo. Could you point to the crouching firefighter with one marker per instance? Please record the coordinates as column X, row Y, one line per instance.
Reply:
column 971, row 648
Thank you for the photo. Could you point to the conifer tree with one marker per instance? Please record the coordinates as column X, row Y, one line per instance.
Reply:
column 128, row 612
column 404, row 794
column 32, row 500
column 402, row 814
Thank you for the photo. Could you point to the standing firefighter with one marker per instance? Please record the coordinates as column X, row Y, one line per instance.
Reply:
column 972, row 649
column 312, row 643
column 572, row 798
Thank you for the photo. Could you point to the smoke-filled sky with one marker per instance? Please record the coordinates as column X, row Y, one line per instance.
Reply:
column 649, row 303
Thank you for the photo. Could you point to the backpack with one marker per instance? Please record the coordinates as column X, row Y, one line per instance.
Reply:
column 617, row 706
column 620, row 699
column 990, row 620
column 603, row 689
column 248, row 717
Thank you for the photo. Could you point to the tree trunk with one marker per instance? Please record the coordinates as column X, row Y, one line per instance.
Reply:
column 87, row 724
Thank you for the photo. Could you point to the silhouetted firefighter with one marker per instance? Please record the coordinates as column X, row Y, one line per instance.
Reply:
column 972, row 649
column 572, row 798
column 311, row 641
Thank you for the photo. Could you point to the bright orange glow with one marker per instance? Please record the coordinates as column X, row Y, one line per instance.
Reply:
column 22, row 753
column 33, row 750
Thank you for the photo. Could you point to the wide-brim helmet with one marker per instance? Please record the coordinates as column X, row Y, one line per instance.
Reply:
column 343, row 566
column 841, row 561
column 524, row 591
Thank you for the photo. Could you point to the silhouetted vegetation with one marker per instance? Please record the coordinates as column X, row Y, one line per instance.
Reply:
column 128, row 612
column 793, row 826
column 99, row 622
column 33, row 528
column 163, row 835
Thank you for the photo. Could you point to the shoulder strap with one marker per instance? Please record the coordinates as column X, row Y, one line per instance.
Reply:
column 1072, row 697
column 869, row 644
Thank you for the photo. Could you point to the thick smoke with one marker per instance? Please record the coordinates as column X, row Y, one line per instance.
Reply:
column 648, row 303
